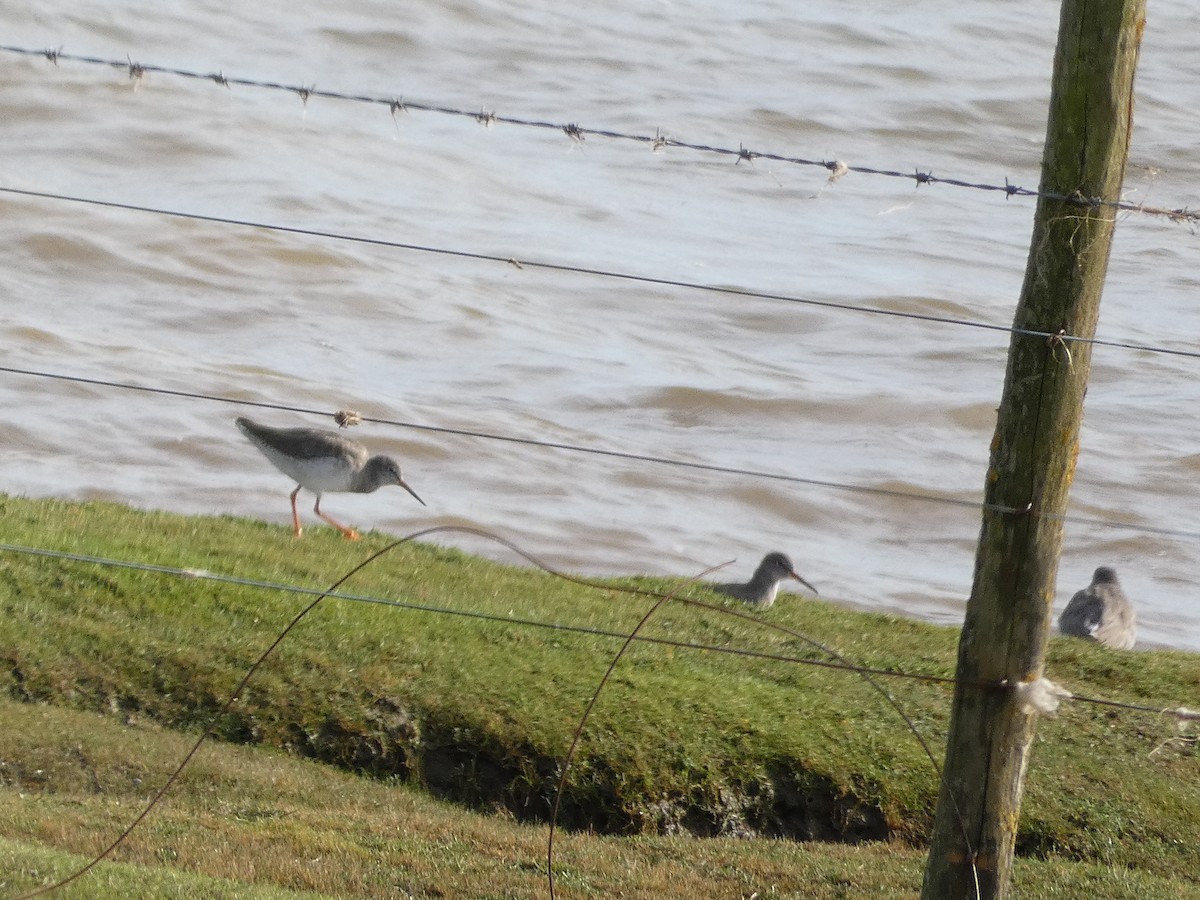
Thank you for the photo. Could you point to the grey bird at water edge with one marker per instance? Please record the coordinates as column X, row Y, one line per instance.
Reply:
column 1101, row 612
column 761, row 589
column 323, row 461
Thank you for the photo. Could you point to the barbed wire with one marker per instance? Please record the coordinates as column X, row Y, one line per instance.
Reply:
column 579, row 133
column 1180, row 713
column 522, row 263
column 1052, row 338
column 620, row 454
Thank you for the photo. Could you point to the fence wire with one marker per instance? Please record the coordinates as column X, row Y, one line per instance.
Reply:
column 578, row 133
column 1179, row 713
column 1059, row 337
column 623, row 455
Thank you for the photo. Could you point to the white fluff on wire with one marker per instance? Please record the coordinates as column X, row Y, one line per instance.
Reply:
column 1041, row 696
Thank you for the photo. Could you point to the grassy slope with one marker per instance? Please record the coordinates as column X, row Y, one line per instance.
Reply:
column 250, row 822
column 482, row 711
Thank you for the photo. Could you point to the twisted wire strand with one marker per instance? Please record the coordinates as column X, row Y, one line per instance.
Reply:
column 579, row 133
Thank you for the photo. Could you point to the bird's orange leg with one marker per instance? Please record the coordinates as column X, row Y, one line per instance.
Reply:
column 296, row 515
column 349, row 532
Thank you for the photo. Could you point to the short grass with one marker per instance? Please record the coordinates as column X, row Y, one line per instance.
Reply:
column 255, row 823
column 482, row 712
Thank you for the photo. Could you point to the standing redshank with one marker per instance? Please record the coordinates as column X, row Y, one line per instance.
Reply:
column 323, row 461
column 1101, row 612
column 760, row 590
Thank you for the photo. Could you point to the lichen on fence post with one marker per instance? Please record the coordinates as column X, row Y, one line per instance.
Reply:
column 1034, row 448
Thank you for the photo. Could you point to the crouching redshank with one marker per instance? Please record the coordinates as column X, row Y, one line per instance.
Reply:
column 761, row 589
column 1101, row 612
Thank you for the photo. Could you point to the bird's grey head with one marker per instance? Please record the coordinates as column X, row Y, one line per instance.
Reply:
column 1104, row 575
column 385, row 470
column 778, row 564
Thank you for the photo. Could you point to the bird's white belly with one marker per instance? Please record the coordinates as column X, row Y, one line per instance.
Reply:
column 318, row 475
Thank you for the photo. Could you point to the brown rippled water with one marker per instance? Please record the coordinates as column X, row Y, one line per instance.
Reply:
column 814, row 393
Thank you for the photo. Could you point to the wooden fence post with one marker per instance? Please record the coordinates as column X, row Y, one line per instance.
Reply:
column 1034, row 449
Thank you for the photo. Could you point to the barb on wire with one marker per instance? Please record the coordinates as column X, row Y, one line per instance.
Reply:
column 605, row 273
column 136, row 72
column 657, row 142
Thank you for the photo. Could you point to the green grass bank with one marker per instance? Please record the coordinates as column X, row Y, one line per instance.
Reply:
column 481, row 711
